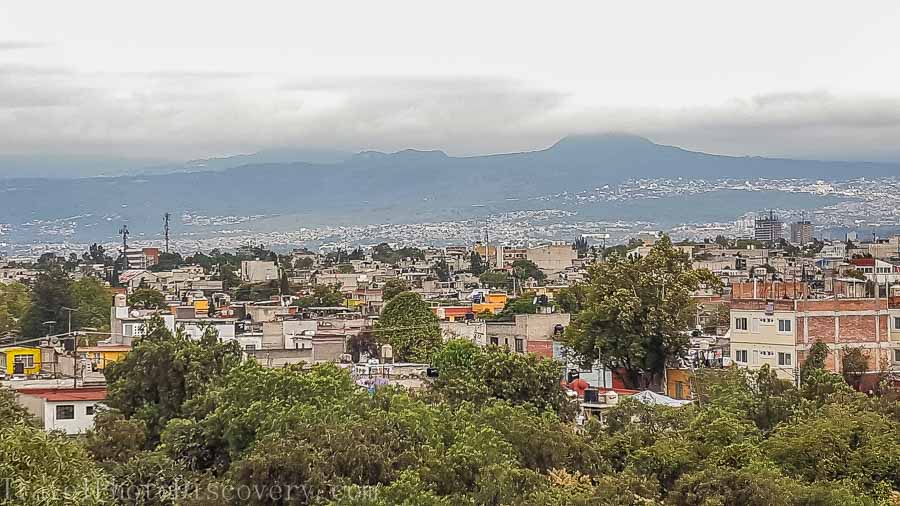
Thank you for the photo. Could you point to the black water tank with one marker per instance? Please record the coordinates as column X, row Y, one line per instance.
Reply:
column 592, row 395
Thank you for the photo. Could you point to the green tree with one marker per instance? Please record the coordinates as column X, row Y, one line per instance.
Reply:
column 519, row 305
column 638, row 312
column 163, row 370
column 50, row 294
column 854, row 365
column 495, row 279
column 442, row 270
column 357, row 254
column 409, row 325
column 581, row 246
column 167, row 262
column 92, row 300
column 48, row 468
column 476, row 264
column 393, row 287
column 11, row 412
column 815, row 359
column 147, row 298
column 571, row 299
column 15, row 301
column 467, row 372
column 322, row 296
column 284, row 285
column 524, row 269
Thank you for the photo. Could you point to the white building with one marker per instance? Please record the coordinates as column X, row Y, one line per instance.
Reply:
column 258, row 271
column 69, row 410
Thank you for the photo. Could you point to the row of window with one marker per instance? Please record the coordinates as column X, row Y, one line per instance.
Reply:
column 67, row 411
column 785, row 326
column 741, row 323
column 742, row 357
column 520, row 343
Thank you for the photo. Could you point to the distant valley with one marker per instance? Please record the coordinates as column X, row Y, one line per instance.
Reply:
column 600, row 180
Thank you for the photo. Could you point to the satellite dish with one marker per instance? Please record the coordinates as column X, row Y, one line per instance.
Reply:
column 54, row 341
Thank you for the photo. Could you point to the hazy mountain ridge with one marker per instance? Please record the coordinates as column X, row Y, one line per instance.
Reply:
column 399, row 184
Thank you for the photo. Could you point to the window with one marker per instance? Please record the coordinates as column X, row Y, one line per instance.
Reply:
column 784, row 358
column 741, row 355
column 740, row 324
column 520, row 345
column 65, row 412
column 250, row 347
column 128, row 330
column 495, row 341
column 754, row 325
column 26, row 360
column 89, row 410
column 784, row 326
column 897, row 322
column 897, row 355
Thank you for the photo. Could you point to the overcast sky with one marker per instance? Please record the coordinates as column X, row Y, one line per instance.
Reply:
column 815, row 79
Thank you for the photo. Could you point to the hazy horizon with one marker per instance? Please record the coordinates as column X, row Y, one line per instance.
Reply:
column 179, row 82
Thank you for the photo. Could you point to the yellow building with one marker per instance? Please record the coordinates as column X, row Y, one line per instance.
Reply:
column 20, row 360
column 100, row 356
column 678, row 383
column 493, row 303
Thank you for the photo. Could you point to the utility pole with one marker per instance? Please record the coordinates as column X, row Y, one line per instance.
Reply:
column 167, row 231
column 74, row 348
column 124, row 233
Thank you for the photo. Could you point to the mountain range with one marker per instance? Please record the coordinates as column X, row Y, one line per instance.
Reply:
column 403, row 185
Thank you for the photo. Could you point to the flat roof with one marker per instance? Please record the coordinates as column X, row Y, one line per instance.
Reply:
column 66, row 394
column 112, row 347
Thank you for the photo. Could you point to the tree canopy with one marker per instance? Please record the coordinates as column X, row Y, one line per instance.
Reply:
column 147, row 298
column 15, row 302
column 637, row 312
column 409, row 325
column 393, row 287
column 52, row 291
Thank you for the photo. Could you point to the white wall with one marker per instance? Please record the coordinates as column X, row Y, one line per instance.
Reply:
column 80, row 424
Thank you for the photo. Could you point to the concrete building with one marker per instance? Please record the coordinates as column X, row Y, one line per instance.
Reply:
column 768, row 228
column 801, row 232
column 781, row 332
column 552, row 258
column 258, row 271
column 142, row 258
column 69, row 410
column 528, row 333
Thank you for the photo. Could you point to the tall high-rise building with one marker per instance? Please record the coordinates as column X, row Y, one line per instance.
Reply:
column 801, row 232
column 768, row 228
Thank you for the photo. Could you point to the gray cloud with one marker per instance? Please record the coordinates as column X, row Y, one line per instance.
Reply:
column 195, row 114
column 11, row 45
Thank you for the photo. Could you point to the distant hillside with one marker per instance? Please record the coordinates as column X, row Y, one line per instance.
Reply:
column 398, row 185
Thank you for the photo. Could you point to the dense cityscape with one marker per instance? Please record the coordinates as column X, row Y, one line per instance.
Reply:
column 410, row 253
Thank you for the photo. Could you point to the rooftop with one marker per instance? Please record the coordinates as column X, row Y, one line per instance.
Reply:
column 66, row 394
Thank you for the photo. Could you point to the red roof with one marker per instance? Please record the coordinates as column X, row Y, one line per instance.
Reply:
column 66, row 394
column 863, row 262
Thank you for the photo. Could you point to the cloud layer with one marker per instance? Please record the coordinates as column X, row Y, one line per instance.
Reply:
column 181, row 115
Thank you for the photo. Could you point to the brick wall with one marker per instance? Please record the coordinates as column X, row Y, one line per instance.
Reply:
column 821, row 328
column 842, row 305
column 857, row 329
column 541, row 348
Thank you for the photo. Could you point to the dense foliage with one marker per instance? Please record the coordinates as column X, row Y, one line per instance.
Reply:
column 14, row 304
column 489, row 432
column 409, row 325
column 636, row 313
